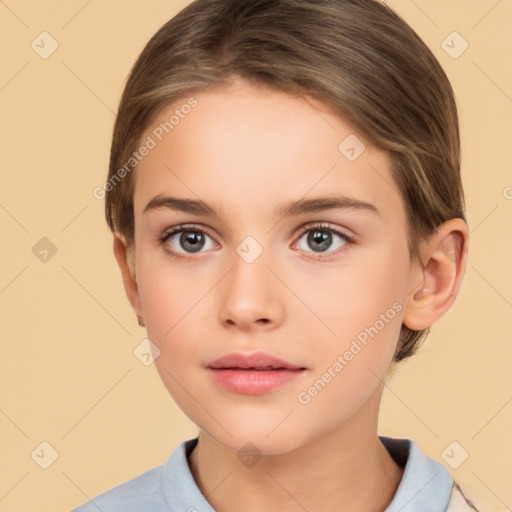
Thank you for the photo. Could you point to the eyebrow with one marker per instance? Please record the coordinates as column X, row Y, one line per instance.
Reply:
column 288, row 209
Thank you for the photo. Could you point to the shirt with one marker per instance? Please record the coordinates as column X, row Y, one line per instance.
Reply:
column 426, row 486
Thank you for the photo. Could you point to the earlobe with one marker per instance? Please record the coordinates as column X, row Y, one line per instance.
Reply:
column 445, row 258
column 126, row 266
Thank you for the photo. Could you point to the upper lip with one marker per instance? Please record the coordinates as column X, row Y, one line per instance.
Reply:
column 258, row 361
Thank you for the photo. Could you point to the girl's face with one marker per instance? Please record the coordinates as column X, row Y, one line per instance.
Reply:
column 296, row 248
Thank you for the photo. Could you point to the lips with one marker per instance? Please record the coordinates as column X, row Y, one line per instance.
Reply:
column 252, row 374
column 256, row 362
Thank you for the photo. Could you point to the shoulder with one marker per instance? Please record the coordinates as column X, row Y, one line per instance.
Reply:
column 157, row 489
column 143, row 490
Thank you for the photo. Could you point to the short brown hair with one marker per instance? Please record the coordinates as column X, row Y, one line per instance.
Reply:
column 358, row 57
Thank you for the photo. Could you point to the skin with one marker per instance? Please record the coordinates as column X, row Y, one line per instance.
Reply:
column 244, row 150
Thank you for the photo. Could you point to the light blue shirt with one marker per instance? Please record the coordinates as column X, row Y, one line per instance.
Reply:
column 426, row 485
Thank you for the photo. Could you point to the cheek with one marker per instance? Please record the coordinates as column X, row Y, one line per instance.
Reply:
column 178, row 311
column 361, row 314
column 346, row 301
column 171, row 307
column 166, row 292
column 350, row 366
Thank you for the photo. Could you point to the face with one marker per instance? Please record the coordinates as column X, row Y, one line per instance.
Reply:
column 320, row 285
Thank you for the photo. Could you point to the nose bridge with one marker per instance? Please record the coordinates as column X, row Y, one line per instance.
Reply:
column 251, row 292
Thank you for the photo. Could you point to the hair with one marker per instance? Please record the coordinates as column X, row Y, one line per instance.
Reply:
column 357, row 57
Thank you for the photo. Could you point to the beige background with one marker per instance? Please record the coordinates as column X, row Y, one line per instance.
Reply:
column 68, row 373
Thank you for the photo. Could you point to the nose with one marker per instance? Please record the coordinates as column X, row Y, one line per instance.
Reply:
column 251, row 297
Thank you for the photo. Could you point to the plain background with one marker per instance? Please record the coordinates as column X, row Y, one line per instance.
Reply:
column 68, row 374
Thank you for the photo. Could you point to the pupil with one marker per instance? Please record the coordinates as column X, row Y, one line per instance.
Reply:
column 322, row 238
column 193, row 239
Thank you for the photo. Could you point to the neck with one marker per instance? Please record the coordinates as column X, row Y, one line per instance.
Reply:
column 346, row 468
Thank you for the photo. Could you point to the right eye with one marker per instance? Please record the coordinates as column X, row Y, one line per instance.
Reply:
column 186, row 240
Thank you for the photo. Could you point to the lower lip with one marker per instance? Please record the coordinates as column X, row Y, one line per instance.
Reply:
column 253, row 382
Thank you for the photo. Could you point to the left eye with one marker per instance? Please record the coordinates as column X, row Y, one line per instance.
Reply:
column 322, row 239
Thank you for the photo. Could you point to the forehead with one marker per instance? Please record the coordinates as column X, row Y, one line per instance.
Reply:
column 244, row 141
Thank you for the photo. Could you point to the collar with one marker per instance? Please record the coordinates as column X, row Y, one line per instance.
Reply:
column 426, row 484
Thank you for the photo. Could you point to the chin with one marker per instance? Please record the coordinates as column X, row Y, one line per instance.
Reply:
column 257, row 438
column 254, row 445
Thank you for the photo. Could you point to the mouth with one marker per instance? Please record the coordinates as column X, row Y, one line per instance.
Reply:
column 253, row 374
column 253, row 362
column 256, row 368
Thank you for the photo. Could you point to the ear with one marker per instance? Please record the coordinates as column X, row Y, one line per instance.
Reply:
column 436, row 280
column 125, row 261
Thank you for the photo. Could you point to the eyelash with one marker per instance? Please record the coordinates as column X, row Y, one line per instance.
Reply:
column 319, row 226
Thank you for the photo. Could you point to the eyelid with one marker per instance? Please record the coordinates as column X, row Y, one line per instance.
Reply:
column 300, row 230
column 321, row 225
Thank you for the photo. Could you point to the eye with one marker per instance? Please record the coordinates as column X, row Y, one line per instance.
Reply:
column 186, row 240
column 322, row 238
